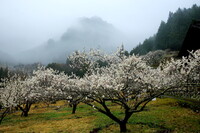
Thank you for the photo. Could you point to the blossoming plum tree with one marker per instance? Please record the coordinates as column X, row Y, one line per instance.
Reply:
column 7, row 99
column 54, row 86
column 132, row 84
column 17, row 92
column 187, row 70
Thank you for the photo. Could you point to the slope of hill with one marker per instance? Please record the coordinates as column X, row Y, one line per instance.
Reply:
column 170, row 34
column 6, row 59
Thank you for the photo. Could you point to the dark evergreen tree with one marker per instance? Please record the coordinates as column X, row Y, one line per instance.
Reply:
column 170, row 34
column 148, row 45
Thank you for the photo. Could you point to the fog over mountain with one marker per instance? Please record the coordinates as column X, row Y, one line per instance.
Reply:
column 85, row 34
column 6, row 59
column 47, row 30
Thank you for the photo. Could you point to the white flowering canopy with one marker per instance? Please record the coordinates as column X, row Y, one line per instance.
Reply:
column 123, row 79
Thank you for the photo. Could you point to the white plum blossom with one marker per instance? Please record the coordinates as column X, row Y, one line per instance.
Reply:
column 132, row 83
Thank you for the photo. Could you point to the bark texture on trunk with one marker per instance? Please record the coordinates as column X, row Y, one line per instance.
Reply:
column 123, row 128
column 74, row 106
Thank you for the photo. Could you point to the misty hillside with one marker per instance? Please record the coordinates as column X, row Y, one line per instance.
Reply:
column 6, row 59
column 86, row 33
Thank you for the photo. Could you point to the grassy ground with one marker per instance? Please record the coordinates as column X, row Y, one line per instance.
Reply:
column 161, row 116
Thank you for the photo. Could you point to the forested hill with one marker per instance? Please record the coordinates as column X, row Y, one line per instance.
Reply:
column 170, row 34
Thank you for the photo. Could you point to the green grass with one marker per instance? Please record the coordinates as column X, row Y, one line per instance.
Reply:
column 162, row 115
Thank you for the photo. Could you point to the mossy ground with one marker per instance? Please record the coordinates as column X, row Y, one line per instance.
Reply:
column 162, row 115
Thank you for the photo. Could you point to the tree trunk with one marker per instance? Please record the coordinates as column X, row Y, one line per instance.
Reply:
column 107, row 112
column 123, row 128
column 74, row 108
column 4, row 115
column 24, row 113
column 25, row 110
column 1, row 119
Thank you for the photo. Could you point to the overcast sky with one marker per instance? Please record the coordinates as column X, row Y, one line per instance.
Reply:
column 28, row 23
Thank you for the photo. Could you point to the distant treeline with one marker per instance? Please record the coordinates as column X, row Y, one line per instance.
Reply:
column 3, row 73
column 170, row 34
